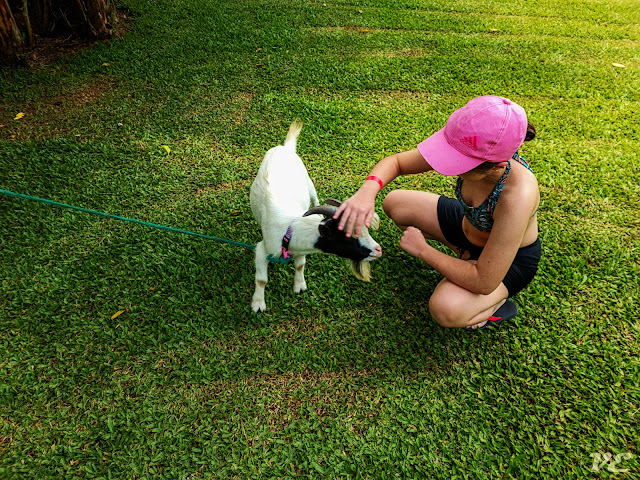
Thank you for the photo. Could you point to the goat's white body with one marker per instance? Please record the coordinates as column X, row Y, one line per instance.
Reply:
column 280, row 194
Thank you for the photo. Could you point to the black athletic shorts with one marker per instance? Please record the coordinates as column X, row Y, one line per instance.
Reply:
column 524, row 266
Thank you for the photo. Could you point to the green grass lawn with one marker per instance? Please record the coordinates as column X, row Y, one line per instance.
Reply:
column 348, row 380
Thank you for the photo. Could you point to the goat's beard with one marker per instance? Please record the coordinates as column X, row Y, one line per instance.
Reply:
column 361, row 269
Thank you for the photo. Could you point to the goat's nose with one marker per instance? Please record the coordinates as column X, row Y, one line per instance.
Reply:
column 378, row 251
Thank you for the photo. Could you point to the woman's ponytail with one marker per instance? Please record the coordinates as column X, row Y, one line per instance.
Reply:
column 531, row 132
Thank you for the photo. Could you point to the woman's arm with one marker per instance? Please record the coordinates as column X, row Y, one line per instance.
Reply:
column 461, row 272
column 511, row 219
column 359, row 208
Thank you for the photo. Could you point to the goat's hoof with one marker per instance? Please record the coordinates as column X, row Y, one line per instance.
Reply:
column 258, row 306
column 300, row 288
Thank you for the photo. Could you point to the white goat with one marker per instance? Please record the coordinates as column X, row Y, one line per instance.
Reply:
column 281, row 195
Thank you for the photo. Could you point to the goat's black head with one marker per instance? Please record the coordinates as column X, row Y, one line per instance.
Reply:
column 360, row 251
column 332, row 240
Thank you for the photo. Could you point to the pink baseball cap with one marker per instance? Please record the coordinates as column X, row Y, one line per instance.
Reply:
column 487, row 129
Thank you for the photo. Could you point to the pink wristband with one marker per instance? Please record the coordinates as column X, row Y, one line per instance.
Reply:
column 375, row 179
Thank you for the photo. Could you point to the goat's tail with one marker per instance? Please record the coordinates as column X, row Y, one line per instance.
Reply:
column 292, row 134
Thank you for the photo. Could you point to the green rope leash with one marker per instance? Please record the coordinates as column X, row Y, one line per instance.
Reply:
column 139, row 222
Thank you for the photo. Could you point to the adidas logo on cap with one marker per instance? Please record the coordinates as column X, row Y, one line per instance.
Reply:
column 471, row 142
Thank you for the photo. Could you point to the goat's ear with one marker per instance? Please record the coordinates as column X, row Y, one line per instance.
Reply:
column 325, row 230
column 375, row 221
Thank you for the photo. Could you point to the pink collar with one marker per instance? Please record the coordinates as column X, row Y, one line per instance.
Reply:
column 285, row 244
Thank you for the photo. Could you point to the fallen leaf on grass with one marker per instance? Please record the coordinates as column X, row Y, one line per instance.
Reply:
column 618, row 65
column 166, row 149
column 117, row 314
column 19, row 116
column 364, row 30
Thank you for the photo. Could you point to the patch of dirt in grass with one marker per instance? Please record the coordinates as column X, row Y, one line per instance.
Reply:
column 221, row 188
column 346, row 28
column 385, row 98
column 85, row 95
column 50, row 117
column 284, row 395
column 244, row 100
column 294, row 329
column 234, row 108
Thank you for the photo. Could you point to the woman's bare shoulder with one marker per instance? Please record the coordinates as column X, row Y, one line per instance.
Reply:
column 521, row 191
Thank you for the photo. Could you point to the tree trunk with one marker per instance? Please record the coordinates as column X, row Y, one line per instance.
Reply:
column 27, row 23
column 95, row 17
column 83, row 18
column 11, row 44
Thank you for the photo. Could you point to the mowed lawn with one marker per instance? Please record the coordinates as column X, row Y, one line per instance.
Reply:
column 129, row 352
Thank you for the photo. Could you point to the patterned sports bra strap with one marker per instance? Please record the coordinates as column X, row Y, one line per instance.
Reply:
column 522, row 161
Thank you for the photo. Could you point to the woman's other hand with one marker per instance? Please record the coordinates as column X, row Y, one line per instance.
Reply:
column 413, row 242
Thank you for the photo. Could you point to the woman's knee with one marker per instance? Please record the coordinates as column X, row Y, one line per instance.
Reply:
column 410, row 207
column 445, row 311
column 452, row 306
column 391, row 202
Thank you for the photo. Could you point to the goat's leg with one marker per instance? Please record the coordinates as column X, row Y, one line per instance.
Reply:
column 299, row 283
column 258, row 304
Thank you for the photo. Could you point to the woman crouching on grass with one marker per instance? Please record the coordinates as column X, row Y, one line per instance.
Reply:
column 491, row 224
